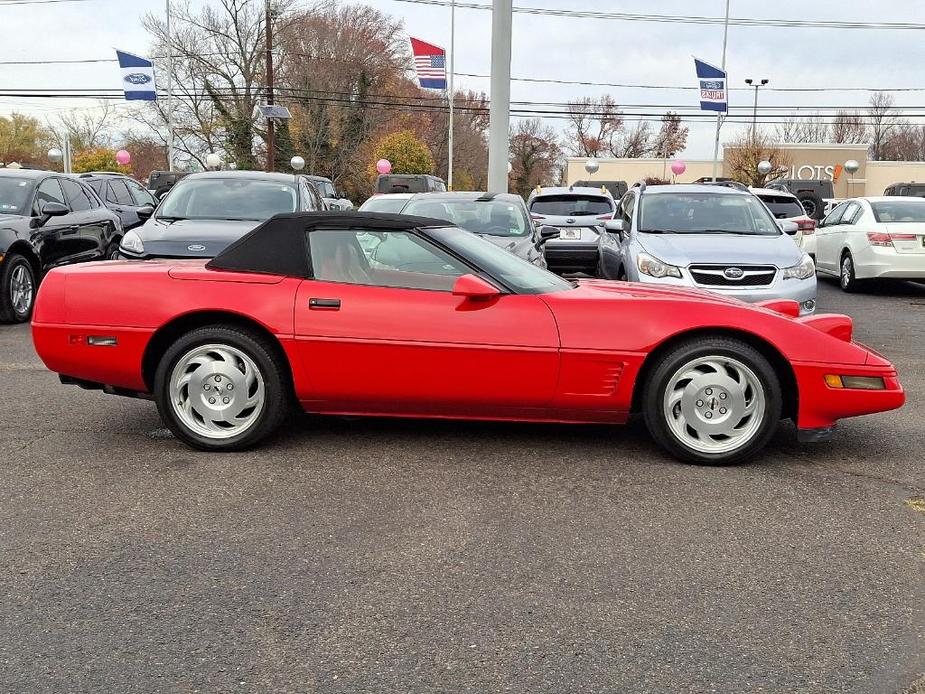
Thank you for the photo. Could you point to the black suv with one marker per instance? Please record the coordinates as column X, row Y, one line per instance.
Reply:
column 812, row 193
column 913, row 189
column 123, row 195
column 46, row 220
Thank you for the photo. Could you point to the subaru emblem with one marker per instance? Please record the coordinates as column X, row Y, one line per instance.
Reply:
column 137, row 78
column 733, row 273
column 195, row 247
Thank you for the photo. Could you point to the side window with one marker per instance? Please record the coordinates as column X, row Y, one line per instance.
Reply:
column 309, row 202
column 141, row 196
column 834, row 217
column 76, row 197
column 48, row 191
column 398, row 259
column 626, row 210
column 99, row 187
column 119, row 193
column 852, row 213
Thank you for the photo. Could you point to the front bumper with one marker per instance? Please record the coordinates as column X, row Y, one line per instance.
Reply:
column 876, row 262
column 801, row 291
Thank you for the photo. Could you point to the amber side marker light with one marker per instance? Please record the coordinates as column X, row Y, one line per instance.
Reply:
column 855, row 382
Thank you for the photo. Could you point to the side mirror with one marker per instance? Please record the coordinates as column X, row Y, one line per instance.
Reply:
column 475, row 288
column 789, row 228
column 49, row 210
column 145, row 212
column 615, row 226
column 547, row 233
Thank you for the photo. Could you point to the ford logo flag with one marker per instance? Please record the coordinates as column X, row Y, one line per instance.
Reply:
column 712, row 83
column 137, row 77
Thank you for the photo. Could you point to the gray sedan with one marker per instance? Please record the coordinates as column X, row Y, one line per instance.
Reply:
column 711, row 237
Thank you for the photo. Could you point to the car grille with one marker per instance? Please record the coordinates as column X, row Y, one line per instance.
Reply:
column 715, row 275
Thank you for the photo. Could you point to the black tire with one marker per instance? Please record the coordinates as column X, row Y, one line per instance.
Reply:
column 672, row 361
column 13, row 270
column 112, row 251
column 847, row 279
column 813, row 205
column 271, row 365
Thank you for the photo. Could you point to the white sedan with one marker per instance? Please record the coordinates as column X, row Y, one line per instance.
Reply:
column 873, row 238
column 386, row 202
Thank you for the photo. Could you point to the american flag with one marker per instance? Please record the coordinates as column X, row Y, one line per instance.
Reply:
column 430, row 64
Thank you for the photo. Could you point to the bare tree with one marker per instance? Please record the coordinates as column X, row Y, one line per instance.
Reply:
column 593, row 126
column 848, row 127
column 85, row 128
column 750, row 148
column 810, row 129
column 671, row 137
column 907, row 143
column 882, row 124
column 535, row 155
column 632, row 143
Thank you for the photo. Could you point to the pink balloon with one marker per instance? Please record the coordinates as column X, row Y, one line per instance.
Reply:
column 123, row 157
column 384, row 166
column 678, row 167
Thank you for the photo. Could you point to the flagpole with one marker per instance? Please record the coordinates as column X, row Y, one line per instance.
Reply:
column 451, row 97
column 170, row 130
column 719, row 116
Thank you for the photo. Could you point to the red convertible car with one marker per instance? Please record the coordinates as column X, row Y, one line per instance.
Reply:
column 355, row 313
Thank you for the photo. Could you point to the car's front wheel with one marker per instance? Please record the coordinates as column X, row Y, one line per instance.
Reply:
column 17, row 289
column 712, row 401
column 222, row 388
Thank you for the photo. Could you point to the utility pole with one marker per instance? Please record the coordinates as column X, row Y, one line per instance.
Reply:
column 499, row 114
column 721, row 116
column 271, row 145
column 452, row 94
column 757, row 85
column 170, row 128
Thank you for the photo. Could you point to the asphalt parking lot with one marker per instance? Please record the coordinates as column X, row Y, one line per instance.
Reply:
column 407, row 556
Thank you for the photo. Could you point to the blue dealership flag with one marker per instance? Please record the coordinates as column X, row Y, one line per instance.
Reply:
column 137, row 77
column 712, row 87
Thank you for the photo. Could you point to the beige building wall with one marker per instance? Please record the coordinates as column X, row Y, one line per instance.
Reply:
column 808, row 161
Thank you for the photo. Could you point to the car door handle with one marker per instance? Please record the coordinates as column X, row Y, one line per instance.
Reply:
column 324, row 304
column 73, row 229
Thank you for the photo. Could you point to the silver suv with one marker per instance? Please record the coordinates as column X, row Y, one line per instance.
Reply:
column 711, row 237
column 579, row 213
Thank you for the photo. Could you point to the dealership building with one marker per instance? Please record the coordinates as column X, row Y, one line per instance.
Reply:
column 808, row 161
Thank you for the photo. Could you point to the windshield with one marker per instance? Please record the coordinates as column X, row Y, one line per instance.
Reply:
column 899, row 211
column 571, row 205
column 705, row 213
column 519, row 275
column 493, row 217
column 228, row 198
column 783, row 206
column 14, row 195
column 384, row 204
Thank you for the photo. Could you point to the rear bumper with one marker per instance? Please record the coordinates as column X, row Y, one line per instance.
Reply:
column 563, row 256
column 885, row 263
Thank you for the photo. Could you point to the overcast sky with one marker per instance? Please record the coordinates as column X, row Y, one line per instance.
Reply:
column 592, row 50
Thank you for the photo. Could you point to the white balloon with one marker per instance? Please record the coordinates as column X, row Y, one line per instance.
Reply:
column 213, row 161
column 764, row 167
column 592, row 166
column 852, row 166
column 297, row 163
column 55, row 155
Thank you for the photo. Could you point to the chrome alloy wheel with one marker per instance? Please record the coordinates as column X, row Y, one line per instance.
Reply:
column 22, row 290
column 714, row 404
column 847, row 270
column 217, row 391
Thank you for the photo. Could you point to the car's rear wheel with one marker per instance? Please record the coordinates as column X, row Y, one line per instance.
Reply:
column 112, row 251
column 17, row 289
column 712, row 401
column 222, row 388
column 846, row 275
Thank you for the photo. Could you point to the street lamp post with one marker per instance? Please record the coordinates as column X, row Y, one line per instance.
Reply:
column 499, row 127
column 757, row 84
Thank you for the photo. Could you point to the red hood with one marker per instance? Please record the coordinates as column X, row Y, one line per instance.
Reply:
column 606, row 288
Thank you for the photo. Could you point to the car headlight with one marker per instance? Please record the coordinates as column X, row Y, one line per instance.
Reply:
column 132, row 243
column 653, row 267
column 805, row 269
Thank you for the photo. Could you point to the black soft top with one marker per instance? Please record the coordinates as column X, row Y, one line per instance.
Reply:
column 278, row 247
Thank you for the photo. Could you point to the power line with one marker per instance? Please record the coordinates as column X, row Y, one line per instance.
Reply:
column 4, row 3
column 681, row 19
